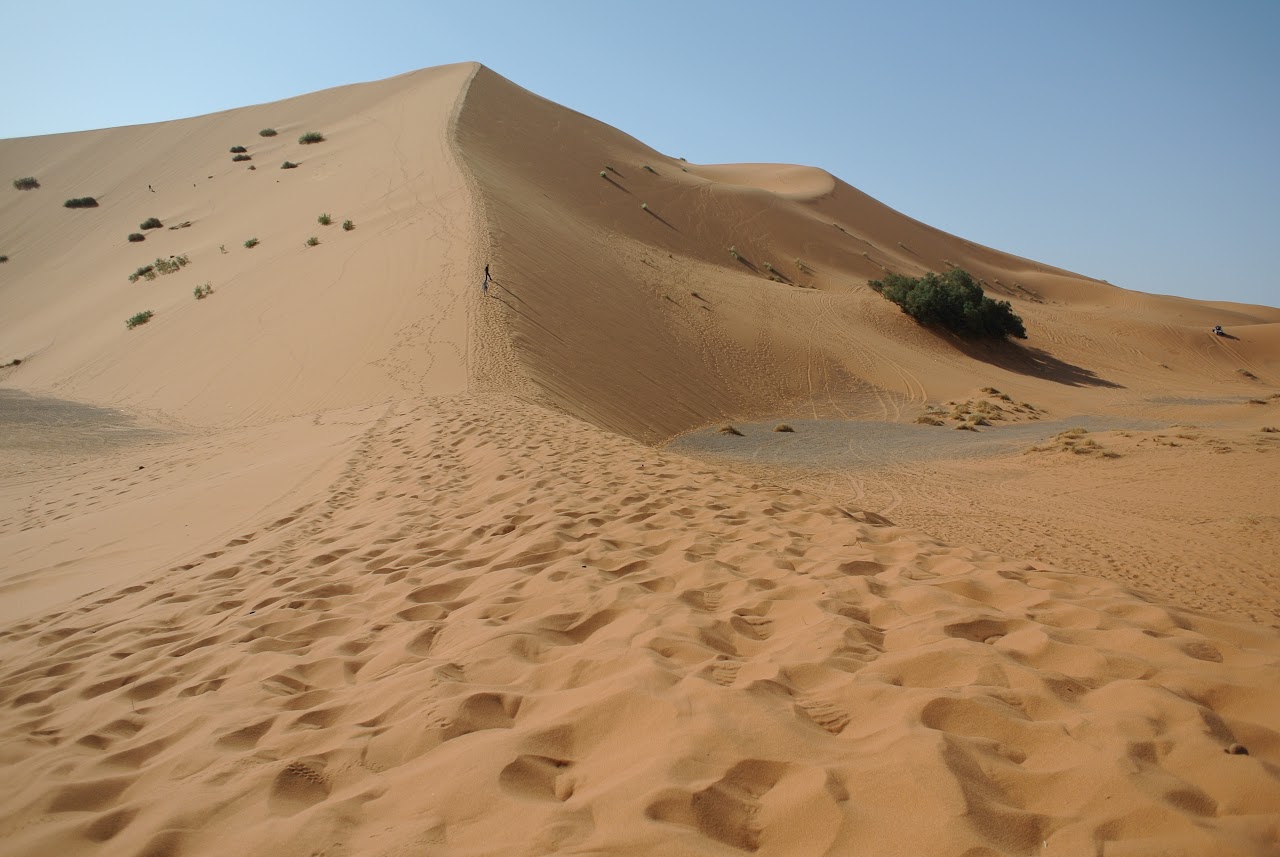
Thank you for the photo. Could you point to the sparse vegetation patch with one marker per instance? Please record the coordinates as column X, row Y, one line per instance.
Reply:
column 152, row 223
column 81, row 202
column 203, row 291
column 138, row 318
column 26, row 183
column 324, row 220
column 952, row 301
column 147, row 271
column 728, row 429
column 783, row 427
column 311, row 137
column 236, row 150
column 267, row 132
column 313, row 241
column 347, row 226
column 251, row 243
column 238, row 158
column 288, row 165
column 137, row 236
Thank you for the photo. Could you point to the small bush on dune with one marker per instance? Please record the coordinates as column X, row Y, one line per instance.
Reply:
column 953, row 301
column 3, row 259
column 81, row 202
column 347, row 226
column 267, row 132
column 138, row 318
column 783, row 427
column 151, row 223
column 311, row 137
column 172, row 264
column 27, row 183
column 288, row 165
column 251, row 243
column 727, row 429
column 324, row 220
column 203, row 291
column 238, row 158
column 136, row 237
column 313, row 241
column 148, row 271
column 237, row 150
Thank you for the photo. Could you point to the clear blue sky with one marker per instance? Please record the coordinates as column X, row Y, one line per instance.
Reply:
column 1130, row 140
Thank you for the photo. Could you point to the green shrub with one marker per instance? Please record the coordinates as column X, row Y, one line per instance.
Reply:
column 203, row 291
column 311, row 137
column 136, row 237
column 313, row 241
column 148, row 271
column 238, row 150
column 81, row 202
column 324, row 220
column 171, row 265
column 952, row 301
column 151, row 223
column 347, row 226
column 238, row 158
column 267, row 132
column 28, row 183
column 251, row 243
column 288, row 165
column 3, row 259
column 138, row 318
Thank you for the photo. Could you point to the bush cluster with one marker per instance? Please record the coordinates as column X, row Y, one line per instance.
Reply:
column 237, row 150
column 28, row 183
column 152, row 223
column 138, row 318
column 288, row 165
column 81, row 202
column 311, row 137
column 953, row 301
column 267, row 132
column 136, row 237
column 241, row 157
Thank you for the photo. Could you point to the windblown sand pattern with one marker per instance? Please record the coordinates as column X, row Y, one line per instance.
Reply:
column 502, row 632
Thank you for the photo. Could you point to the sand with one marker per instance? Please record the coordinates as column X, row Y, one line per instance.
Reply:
column 358, row 558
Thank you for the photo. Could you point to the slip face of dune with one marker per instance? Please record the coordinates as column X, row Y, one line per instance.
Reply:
column 506, row 633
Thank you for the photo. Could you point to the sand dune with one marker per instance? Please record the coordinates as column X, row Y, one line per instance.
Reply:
column 371, row 561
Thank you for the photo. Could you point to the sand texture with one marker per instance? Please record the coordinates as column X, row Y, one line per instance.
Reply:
column 353, row 557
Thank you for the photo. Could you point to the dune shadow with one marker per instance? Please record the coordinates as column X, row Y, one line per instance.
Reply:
column 615, row 184
column 1026, row 360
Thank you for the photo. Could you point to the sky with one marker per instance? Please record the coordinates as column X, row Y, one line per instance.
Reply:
column 1133, row 141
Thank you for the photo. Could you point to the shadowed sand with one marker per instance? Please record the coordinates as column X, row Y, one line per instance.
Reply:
column 391, row 565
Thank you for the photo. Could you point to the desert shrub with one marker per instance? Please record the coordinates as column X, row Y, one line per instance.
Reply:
column 347, row 226
column 147, row 271
column 81, row 202
column 267, row 132
column 313, row 241
column 288, row 165
column 952, row 301
column 251, row 243
column 728, row 429
column 27, row 183
column 152, row 223
column 136, row 237
column 311, row 137
column 171, row 265
column 324, row 220
column 138, row 318
column 783, row 427
column 203, row 291
column 3, row 259
column 238, row 158
column 238, row 150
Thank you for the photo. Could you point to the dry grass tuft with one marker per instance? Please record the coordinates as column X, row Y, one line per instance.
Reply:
column 783, row 427
column 728, row 429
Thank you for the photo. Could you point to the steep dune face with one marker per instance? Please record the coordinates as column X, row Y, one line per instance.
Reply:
column 366, row 315
column 649, row 295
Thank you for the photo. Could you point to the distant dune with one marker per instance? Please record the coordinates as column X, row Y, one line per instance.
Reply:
column 354, row 552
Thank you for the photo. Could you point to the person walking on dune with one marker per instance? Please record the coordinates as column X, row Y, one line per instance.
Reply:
column 484, row 287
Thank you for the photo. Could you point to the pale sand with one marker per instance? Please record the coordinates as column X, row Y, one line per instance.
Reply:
column 381, row 572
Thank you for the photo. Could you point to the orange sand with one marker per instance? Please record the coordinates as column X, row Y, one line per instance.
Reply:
column 405, row 568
